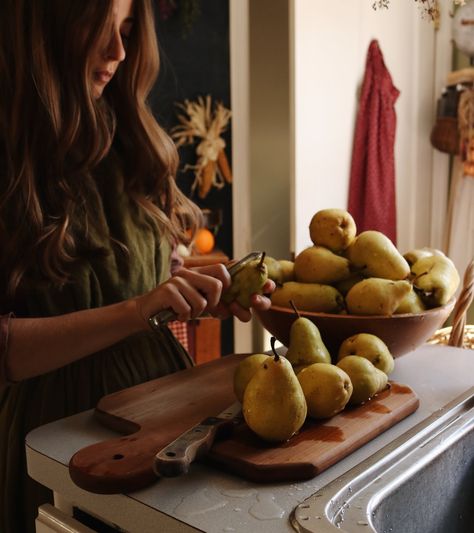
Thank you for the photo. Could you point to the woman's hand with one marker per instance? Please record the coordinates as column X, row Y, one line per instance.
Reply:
column 261, row 302
column 191, row 292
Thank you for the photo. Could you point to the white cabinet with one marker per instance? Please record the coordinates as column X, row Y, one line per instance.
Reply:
column 51, row 520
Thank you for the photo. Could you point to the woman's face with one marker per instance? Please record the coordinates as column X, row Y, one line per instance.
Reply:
column 110, row 52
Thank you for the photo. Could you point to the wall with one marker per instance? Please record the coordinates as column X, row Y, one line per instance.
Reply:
column 269, row 134
column 269, row 126
column 330, row 41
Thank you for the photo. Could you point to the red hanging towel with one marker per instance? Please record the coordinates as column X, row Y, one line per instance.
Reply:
column 372, row 199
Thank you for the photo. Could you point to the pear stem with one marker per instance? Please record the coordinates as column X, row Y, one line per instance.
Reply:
column 262, row 259
column 292, row 303
column 272, row 342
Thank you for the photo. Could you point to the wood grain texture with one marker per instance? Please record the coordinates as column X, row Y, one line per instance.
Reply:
column 153, row 414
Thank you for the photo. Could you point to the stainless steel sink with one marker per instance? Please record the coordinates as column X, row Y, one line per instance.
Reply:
column 422, row 482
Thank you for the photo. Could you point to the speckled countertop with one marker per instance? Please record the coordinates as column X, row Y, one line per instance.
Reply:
column 210, row 500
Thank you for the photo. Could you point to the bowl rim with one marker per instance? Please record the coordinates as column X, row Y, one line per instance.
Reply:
column 433, row 310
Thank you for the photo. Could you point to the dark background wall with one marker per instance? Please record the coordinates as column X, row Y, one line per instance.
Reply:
column 194, row 51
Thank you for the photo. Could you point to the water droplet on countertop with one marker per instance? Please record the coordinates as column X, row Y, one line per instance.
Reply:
column 266, row 508
column 238, row 493
column 200, row 502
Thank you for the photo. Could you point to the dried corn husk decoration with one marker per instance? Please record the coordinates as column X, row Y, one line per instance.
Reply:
column 200, row 121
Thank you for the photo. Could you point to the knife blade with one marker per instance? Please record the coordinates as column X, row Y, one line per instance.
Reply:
column 176, row 458
column 163, row 317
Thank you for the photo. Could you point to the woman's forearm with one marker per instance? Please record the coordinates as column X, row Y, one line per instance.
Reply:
column 39, row 345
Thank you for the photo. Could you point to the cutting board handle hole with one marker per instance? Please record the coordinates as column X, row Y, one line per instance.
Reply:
column 170, row 454
column 117, row 456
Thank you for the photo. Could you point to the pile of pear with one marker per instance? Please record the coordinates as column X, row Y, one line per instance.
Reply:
column 279, row 393
column 361, row 274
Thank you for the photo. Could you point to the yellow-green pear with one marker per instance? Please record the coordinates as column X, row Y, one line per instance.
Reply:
column 327, row 389
column 346, row 285
column 333, row 228
column 306, row 345
column 274, row 406
column 376, row 296
column 309, row 297
column 383, row 380
column 298, row 368
column 318, row 264
column 245, row 371
column 287, row 270
column 436, row 278
column 369, row 346
column 412, row 256
column 249, row 280
column 274, row 270
column 375, row 255
column 365, row 378
column 411, row 303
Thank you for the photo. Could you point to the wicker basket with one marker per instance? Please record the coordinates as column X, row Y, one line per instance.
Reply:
column 459, row 334
column 445, row 135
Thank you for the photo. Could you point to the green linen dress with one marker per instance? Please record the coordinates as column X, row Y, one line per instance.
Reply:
column 104, row 275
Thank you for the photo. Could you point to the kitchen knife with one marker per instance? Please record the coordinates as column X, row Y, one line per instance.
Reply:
column 163, row 317
column 175, row 459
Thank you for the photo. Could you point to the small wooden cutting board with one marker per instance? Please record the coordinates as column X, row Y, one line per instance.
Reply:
column 153, row 414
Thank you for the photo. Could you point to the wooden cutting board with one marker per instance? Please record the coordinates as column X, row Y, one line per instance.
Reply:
column 151, row 415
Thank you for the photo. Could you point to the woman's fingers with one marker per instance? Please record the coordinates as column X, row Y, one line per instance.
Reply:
column 244, row 315
column 218, row 271
column 209, row 286
column 185, row 300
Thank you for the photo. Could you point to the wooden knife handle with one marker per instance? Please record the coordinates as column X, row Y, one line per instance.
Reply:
column 174, row 459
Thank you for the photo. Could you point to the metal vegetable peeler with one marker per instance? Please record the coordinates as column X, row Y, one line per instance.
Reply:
column 163, row 317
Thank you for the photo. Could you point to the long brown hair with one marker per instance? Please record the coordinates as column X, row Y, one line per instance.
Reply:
column 53, row 132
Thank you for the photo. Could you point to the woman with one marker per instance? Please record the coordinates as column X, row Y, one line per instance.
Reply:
column 88, row 211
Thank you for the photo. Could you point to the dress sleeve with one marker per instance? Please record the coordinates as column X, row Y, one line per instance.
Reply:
column 4, row 330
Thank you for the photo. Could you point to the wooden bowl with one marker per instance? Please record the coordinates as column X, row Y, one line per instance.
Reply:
column 401, row 333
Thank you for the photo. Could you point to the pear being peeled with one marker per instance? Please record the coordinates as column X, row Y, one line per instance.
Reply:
column 365, row 378
column 245, row 371
column 274, row 406
column 306, row 345
column 249, row 280
column 318, row 264
column 371, row 347
column 333, row 228
column 375, row 255
column 376, row 296
column 327, row 389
